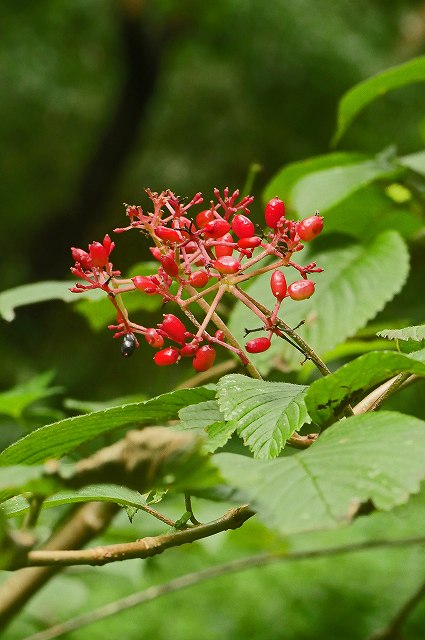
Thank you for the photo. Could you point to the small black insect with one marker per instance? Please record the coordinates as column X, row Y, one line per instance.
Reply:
column 128, row 345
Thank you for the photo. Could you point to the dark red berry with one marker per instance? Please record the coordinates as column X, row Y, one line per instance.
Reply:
column 173, row 327
column 169, row 265
column 204, row 358
column 198, row 279
column 242, row 226
column 310, row 227
column 278, row 284
column 189, row 349
column 146, row 284
column 301, row 289
column 217, row 228
column 249, row 243
column 275, row 210
column 170, row 235
column 204, row 217
column 226, row 264
column 222, row 249
column 258, row 345
column 153, row 338
column 166, row 357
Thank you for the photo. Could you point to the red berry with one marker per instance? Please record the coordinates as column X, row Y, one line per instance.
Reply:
column 275, row 210
column 204, row 358
column 156, row 253
column 249, row 243
column 219, row 334
column 146, row 284
column 170, row 235
column 189, row 349
column 204, row 217
column 257, row 345
column 198, row 279
column 82, row 257
column 169, row 265
column 278, row 284
column 301, row 289
column 173, row 327
column 223, row 250
column 217, row 228
column 310, row 227
column 153, row 338
column 226, row 264
column 242, row 226
column 166, row 357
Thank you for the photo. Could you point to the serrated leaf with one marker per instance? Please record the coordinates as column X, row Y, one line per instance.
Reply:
column 37, row 292
column 14, row 401
column 362, row 94
column 267, row 413
column 377, row 457
column 207, row 419
column 59, row 438
column 327, row 398
column 416, row 333
column 356, row 283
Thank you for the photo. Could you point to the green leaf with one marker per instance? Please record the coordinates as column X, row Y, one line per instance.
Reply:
column 377, row 457
column 356, row 283
column 207, row 419
column 414, row 161
column 267, row 413
column 18, row 478
column 16, row 400
column 327, row 398
column 37, row 292
column 97, row 492
column 416, row 333
column 59, row 438
column 357, row 98
column 284, row 181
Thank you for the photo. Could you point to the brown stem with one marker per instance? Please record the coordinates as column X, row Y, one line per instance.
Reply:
column 374, row 399
column 144, row 548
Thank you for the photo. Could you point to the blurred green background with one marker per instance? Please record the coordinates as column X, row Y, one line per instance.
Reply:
column 102, row 98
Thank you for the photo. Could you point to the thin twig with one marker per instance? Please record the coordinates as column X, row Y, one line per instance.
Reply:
column 191, row 579
column 144, row 548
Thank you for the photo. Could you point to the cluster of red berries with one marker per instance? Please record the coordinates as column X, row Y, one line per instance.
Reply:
column 210, row 252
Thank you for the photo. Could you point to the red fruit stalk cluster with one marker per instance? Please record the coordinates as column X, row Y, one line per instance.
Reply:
column 211, row 251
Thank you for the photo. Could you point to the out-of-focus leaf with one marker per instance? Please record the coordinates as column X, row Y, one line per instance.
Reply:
column 362, row 94
column 14, row 401
column 414, row 161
